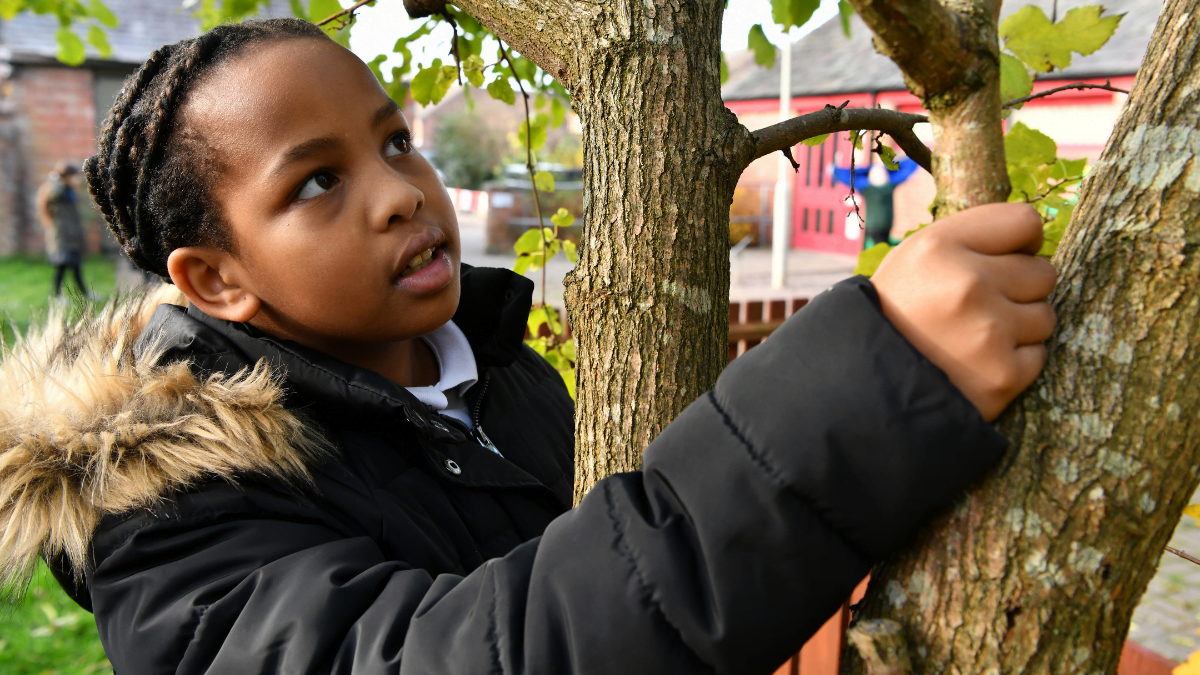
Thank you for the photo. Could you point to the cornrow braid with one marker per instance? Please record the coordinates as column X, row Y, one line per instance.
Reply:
column 152, row 179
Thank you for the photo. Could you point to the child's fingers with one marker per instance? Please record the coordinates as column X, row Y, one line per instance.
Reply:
column 1024, row 278
column 1033, row 322
column 1028, row 361
column 997, row 229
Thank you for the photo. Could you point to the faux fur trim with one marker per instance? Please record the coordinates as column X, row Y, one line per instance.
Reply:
column 86, row 430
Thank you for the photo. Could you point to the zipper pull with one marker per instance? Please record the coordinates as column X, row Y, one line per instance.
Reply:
column 482, row 437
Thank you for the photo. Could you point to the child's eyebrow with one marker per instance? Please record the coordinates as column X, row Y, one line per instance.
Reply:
column 304, row 150
column 386, row 111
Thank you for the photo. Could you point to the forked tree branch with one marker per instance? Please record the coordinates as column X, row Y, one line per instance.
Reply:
column 898, row 125
column 1078, row 85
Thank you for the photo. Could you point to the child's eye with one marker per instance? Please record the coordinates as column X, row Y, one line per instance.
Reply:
column 317, row 185
column 400, row 144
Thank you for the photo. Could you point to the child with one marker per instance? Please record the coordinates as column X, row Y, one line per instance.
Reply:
column 284, row 476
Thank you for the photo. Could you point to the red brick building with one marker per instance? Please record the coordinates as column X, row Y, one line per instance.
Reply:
column 51, row 112
column 828, row 68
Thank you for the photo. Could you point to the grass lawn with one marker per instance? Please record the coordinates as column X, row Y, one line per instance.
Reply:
column 46, row 633
column 26, row 284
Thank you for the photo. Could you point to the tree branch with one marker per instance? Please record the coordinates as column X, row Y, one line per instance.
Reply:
column 927, row 40
column 349, row 12
column 1107, row 86
column 1183, row 554
column 881, row 644
column 894, row 123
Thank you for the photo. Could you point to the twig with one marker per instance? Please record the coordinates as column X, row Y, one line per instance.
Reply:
column 854, row 136
column 537, row 204
column 348, row 11
column 454, row 48
column 832, row 119
column 1183, row 554
column 1078, row 85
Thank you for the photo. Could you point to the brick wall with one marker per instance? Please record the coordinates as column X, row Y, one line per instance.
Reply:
column 51, row 111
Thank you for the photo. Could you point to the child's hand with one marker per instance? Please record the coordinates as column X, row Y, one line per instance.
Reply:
column 969, row 294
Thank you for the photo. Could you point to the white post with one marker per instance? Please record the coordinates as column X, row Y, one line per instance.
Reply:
column 781, row 226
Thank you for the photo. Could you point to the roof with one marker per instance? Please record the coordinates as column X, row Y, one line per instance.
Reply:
column 825, row 62
column 143, row 26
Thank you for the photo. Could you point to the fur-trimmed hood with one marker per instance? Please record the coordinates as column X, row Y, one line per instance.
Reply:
column 87, row 429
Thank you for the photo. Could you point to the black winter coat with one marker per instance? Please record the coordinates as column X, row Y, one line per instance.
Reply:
column 416, row 550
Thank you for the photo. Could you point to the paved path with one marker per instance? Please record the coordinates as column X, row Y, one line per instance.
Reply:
column 1167, row 619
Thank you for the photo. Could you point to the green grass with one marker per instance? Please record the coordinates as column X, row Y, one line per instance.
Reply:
column 45, row 632
column 26, row 284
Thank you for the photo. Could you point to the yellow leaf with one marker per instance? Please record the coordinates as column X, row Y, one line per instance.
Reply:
column 1194, row 512
column 1191, row 667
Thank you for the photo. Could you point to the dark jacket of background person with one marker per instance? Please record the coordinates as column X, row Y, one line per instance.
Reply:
column 59, row 213
column 410, row 548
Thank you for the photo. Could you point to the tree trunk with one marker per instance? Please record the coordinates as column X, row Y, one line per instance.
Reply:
column 648, row 300
column 1039, row 568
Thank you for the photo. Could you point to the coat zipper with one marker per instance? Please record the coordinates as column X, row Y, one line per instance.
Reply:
column 477, row 430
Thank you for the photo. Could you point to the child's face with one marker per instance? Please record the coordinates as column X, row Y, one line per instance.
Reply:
column 326, row 200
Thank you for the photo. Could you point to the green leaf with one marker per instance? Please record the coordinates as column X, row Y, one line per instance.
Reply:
column 533, row 137
column 1052, row 232
column 1044, row 46
column 473, row 69
column 1068, row 168
column 815, row 140
column 1028, row 147
column 1024, row 184
column 529, row 242
column 558, row 112
column 1015, row 80
column 423, row 83
column 70, row 47
column 570, row 252
column 870, row 259
column 888, row 155
column 845, row 11
column 537, row 319
column 374, row 64
column 1085, row 30
column 568, row 377
column 568, row 349
column 10, row 8
column 562, row 218
column 319, row 10
column 724, row 69
column 764, row 51
column 544, row 181
column 522, row 264
column 98, row 11
column 789, row 13
column 99, row 40
column 501, row 90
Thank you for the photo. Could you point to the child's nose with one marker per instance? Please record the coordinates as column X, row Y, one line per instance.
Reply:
column 392, row 199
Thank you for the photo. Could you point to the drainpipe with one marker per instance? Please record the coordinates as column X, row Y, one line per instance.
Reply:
column 781, row 227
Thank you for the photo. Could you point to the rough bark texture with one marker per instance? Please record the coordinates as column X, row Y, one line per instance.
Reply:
column 950, row 55
column 648, row 300
column 1038, row 569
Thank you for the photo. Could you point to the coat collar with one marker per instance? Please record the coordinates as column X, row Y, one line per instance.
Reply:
column 492, row 313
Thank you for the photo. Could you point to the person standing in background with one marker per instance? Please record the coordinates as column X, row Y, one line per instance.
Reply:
column 877, row 185
column 59, row 213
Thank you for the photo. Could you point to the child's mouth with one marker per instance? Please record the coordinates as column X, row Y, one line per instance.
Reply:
column 419, row 262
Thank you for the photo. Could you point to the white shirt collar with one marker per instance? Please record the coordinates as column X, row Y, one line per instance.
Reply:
column 456, row 363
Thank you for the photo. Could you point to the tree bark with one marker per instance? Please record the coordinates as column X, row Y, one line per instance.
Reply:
column 950, row 54
column 1039, row 568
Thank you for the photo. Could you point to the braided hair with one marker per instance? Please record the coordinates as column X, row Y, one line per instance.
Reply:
column 151, row 179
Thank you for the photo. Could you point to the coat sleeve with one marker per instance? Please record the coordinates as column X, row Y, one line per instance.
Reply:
column 755, row 514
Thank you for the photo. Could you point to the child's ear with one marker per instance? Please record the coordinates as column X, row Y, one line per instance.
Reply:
column 212, row 280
